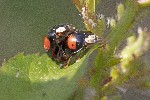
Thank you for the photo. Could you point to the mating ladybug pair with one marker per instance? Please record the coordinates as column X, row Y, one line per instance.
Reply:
column 64, row 41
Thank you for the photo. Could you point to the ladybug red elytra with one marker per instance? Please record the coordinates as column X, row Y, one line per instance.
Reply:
column 47, row 43
column 79, row 40
column 65, row 41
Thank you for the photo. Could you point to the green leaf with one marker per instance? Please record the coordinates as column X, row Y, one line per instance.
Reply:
column 91, row 6
column 35, row 77
column 14, row 79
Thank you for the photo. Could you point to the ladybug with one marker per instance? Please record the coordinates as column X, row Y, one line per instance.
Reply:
column 57, row 34
column 65, row 41
column 81, row 40
column 78, row 41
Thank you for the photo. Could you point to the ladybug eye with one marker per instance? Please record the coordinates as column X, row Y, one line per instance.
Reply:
column 47, row 43
column 72, row 41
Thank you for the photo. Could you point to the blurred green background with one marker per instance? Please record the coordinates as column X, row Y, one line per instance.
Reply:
column 24, row 23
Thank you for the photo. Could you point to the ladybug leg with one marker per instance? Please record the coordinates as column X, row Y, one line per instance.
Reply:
column 65, row 65
column 68, row 61
column 63, row 55
column 60, row 53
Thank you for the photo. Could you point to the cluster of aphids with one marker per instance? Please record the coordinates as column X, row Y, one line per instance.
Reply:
column 64, row 41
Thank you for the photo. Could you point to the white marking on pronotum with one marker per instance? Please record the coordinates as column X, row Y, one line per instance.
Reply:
column 91, row 39
column 60, row 29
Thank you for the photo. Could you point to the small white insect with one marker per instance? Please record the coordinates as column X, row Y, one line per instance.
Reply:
column 92, row 22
